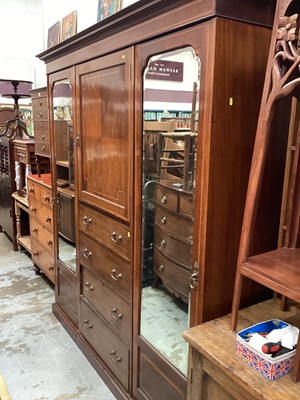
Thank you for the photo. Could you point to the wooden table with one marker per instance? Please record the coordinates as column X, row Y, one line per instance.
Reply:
column 216, row 372
column 21, row 203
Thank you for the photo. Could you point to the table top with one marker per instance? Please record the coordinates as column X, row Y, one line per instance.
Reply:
column 216, row 343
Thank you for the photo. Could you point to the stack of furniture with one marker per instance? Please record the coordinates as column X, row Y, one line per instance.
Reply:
column 100, row 299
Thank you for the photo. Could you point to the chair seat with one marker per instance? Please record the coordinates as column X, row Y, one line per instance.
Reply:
column 278, row 270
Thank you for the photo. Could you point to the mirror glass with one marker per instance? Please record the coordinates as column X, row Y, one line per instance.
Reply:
column 64, row 161
column 171, row 86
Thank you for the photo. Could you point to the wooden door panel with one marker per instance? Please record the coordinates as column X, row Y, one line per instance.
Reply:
column 105, row 126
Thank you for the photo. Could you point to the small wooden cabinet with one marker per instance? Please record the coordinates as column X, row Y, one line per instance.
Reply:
column 41, row 121
column 41, row 223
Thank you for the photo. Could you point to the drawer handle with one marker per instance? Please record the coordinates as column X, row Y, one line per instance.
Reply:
column 87, row 324
column 116, row 238
column 42, row 137
column 31, row 189
column 40, row 102
column 164, row 199
column 87, row 221
column 161, row 268
column 115, row 275
column 40, row 114
column 86, row 253
column 43, row 148
column 36, row 253
column 164, row 220
column 50, row 267
column 49, row 242
column 163, row 243
column 41, row 125
column 89, row 287
column 114, row 357
column 35, row 230
column 47, row 218
column 115, row 314
column 46, row 197
column 32, row 209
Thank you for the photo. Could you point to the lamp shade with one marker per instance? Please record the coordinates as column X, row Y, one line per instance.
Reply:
column 13, row 87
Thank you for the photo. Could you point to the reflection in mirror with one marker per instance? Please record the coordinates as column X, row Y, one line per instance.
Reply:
column 171, row 84
column 64, row 160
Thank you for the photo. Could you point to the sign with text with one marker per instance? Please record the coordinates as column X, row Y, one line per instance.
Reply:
column 165, row 70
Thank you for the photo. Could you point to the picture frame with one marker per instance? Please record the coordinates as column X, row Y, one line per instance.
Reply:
column 106, row 8
column 53, row 35
column 69, row 26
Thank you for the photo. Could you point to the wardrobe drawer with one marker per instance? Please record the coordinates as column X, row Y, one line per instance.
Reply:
column 42, row 235
column 185, row 206
column 41, row 128
column 166, row 198
column 42, row 148
column 173, row 247
column 109, row 348
column 111, row 233
column 39, row 102
column 114, row 310
column 174, row 223
column 175, row 278
column 40, row 114
column 41, row 213
column 112, row 269
column 41, row 257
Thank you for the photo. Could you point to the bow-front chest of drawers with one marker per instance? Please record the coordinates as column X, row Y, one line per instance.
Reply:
column 173, row 237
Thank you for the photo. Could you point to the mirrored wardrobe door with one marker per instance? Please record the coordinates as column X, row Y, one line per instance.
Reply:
column 63, row 169
column 170, row 119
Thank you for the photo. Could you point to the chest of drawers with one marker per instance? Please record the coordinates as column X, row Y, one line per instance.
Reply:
column 41, row 121
column 41, row 223
column 173, row 230
column 106, row 289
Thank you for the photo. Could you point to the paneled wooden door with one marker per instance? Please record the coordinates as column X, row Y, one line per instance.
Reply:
column 105, row 120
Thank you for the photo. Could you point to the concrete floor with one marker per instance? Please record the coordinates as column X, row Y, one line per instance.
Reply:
column 38, row 359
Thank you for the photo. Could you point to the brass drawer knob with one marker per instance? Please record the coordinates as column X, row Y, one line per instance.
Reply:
column 164, row 220
column 46, row 197
column 115, row 237
column 161, row 268
column 47, row 218
column 49, row 242
column 115, row 276
column 86, row 253
column 114, row 357
column 32, row 209
column 86, row 221
column 31, row 189
column 164, row 199
column 36, row 253
column 163, row 243
column 50, row 267
column 40, row 114
column 87, row 324
column 35, row 230
column 89, row 287
column 115, row 314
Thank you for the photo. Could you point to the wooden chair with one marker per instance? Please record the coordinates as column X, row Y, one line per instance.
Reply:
column 277, row 269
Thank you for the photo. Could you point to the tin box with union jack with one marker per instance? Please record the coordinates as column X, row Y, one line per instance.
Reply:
column 270, row 368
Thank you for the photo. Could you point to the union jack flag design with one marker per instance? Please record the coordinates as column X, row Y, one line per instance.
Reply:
column 268, row 368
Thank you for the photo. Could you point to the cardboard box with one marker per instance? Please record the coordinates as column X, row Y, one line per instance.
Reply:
column 270, row 368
